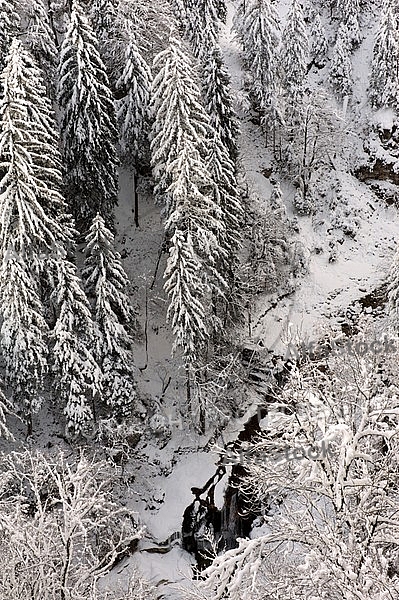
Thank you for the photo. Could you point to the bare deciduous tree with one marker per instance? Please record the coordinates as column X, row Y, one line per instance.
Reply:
column 324, row 475
column 61, row 530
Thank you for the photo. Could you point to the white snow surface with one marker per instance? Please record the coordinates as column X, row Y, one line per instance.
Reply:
column 161, row 491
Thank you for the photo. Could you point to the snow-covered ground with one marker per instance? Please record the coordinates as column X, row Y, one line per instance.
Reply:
column 167, row 472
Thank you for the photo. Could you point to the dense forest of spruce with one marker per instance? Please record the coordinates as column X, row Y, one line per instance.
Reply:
column 92, row 90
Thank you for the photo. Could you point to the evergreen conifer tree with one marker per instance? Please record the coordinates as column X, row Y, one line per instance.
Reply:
column 341, row 66
column 40, row 39
column 226, row 194
column 239, row 20
column 196, row 209
column 106, row 282
column 185, row 287
column 218, row 101
column 32, row 209
column 319, row 44
column 108, row 30
column 202, row 28
column 76, row 373
column 349, row 12
column 176, row 109
column 88, row 124
column 9, row 26
column 34, row 235
column 134, row 86
column 23, row 337
column 259, row 33
column 226, row 197
column 384, row 80
column 194, row 218
column 103, row 14
column 294, row 51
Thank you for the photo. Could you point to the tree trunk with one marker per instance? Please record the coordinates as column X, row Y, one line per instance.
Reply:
column 136, row 200
column 188, row 388
column 29, row 424
column 202, row 418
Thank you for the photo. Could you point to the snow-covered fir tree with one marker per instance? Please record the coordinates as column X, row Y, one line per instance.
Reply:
column 259, row 33
column 294, row 51
column 341, row 66
column 103, row 14
column 23, row 339
column 202, row 27
column 222, row 170
column 36, row 231
column 106, row 283
column 108, row 29
column 349, row 12
column 76, row 373
column 5, row 409
column 88, row 124
column 227, row 198
column 196, row 210
column 9, row 26
column 41, row 39
column 185, row 287
column 180, row 160
column 319, row 44
column 32, row 209
column 176, row 108
column 384, row 79
column 134, row 86
column 218, row 101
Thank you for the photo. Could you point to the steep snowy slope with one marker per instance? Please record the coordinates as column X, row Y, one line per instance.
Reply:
column 362, row 257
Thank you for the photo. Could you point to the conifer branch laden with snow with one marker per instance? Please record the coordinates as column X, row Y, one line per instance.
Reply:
column 24, row 335
column 106, row 282
column 218, row 101
column 76, row 373
column 133, row 109
column 294, row 52
column 31, row 206
column 384, row 78
column 257, row 25
column 88, row 124
column 41, row 39
column 9, row 27
column 341, row 76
